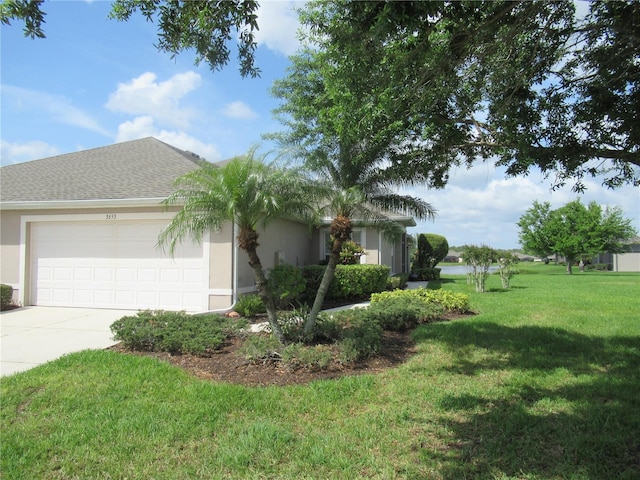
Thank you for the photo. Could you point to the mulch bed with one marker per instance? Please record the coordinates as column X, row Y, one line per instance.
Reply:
column 227, row 365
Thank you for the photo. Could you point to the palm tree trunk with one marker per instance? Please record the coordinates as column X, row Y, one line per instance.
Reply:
column 248, row 241
column 340, row 232
column 327, row 278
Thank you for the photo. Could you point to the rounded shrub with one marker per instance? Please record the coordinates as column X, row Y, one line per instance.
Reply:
column 6, row 295
column 173, row 332
column 361, row 335
column 398, row 314
column 249, row 305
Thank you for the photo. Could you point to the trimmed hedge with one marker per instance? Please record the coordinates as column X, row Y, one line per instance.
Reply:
column 350, row 281
column 399, row 280
column 6, row 295
column 173, row 332
column 448, row 300
column 426, row 273
column 403, row 313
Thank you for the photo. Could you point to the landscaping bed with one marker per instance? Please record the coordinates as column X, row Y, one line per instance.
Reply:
column 228, row 364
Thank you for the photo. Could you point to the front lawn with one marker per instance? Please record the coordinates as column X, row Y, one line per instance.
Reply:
column 543, row 383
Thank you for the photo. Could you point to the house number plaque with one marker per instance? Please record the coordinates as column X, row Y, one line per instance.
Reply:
column 110, row 216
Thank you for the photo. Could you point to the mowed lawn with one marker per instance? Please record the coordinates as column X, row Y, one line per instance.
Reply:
column 543, row 383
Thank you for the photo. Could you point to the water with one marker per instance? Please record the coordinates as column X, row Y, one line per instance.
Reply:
column 460, row 270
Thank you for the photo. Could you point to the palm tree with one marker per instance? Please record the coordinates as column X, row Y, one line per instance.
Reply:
column 345, row 131
column 358, row 190
column 247, row 192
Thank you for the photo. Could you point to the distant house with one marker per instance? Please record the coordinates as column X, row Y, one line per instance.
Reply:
column 453, row 257
column 623, row 262
column 80, row 230
column 523, row 257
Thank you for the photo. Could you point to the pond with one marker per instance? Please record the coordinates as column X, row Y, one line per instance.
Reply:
column 460, row 269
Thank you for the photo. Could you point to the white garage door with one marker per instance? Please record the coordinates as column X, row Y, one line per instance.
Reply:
column 114, row 265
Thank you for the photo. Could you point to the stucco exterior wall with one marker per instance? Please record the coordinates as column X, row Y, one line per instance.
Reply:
column 10, row 250
column 378, row 249
column 13, row 247
column 626, row 262
column 281, row 241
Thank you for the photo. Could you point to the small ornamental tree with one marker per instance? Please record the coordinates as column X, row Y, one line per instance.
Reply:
column 478, row 260
column 506, row 266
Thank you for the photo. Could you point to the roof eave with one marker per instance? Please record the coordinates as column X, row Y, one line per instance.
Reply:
column 401, row 219
column 98, row 203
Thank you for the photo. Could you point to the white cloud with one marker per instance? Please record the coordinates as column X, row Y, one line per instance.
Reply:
column 482, row 206
column 57, row 107
column 279, row 25
column 144, row 126
column 144, row 95
column 22, row 152
column 239, row 110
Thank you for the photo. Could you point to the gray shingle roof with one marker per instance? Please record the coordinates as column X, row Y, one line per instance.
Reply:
column 144, row 168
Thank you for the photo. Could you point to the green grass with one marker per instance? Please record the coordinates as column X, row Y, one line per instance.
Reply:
column 544, row 383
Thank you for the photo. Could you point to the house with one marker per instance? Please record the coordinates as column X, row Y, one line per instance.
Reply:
column 81, row 230
column 623, row 262
column 453, row 256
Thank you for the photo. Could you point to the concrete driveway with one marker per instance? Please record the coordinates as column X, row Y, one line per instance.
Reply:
column 31, row 336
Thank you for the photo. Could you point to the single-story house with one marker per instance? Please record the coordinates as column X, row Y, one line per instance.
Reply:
column 81, row 230
column 453, row 256
column 628, row 261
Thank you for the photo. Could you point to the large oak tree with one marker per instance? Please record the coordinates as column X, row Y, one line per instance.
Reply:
column 525, row 84
column 207, row 28
column 574, row 231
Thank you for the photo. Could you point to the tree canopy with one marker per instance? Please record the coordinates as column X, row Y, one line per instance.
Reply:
column 333, row 125
column 574, row 231
column 204, row 26
column 526, row 84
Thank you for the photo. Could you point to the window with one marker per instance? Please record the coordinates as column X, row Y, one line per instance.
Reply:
column 356, row 235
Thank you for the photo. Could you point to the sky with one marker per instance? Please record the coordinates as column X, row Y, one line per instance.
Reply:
column 93, row 82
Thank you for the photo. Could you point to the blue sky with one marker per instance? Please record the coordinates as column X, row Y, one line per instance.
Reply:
column 94, row 82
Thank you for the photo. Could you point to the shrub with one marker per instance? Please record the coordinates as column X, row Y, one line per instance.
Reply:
column 249, row 305
column 6, row 295
column 292, row 323
column 313, row 357
column 361, row 335
column 263, row 348
column 327, row 328
column 448, row 300
column 431, row 250
column 397, row 281
column 173, row 332
column 402, row 313
column 600, row 267
column 286, row 283
column 351, row 253
column 426, row 273
column 351, row 281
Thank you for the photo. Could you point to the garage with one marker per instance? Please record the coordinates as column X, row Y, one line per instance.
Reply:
column 113, row 264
